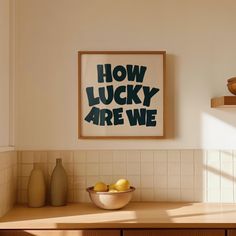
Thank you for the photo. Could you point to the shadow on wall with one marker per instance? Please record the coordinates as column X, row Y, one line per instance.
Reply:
column 214, row 178
column 225, row 115
column 220, row 179
column 170, row 97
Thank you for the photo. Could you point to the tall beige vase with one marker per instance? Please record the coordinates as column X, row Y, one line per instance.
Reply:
column 36, row 187
column 58, row 186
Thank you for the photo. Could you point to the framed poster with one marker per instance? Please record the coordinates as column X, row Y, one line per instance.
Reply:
column 121, row 94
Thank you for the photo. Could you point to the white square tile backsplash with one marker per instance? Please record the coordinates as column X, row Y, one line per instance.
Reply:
column 147, row 168
column 158, row 175
column 133, row 168
column 8, row 180
column 173, row 181
column 92, row 169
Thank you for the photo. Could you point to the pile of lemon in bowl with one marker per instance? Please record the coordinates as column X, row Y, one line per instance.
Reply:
column 112, row 196
column 119, row 186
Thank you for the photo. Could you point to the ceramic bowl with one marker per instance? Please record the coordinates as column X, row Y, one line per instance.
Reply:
column 110, row 200
column 232, row 87
column 232, row 80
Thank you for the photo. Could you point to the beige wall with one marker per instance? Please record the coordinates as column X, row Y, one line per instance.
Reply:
column 199, row 37
column 4, row 71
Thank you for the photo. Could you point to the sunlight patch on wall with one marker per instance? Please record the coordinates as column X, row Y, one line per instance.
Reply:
column 216, row 133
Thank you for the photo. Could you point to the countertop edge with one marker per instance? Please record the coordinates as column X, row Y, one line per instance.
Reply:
column 129, row 226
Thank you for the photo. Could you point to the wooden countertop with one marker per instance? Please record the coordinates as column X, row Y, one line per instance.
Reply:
column 135, row 215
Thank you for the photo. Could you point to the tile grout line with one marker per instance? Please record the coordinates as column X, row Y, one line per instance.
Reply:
column 153, row 177
column 194, row 190
column 232, row 171
column 86, row 176
column 193, row 164
column 140, row 178
column 112, row 167
column 180, row 173
column 99, row 165
column 73, row 174
column 220, row 152
column 167, row 174
column 206, row 175
column 126, row 163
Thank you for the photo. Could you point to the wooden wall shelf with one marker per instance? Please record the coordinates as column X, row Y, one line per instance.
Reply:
column 224, row 102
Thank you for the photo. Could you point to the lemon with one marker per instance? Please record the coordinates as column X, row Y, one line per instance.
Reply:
column 112, row 187
column 100, row 187
column 122, row 185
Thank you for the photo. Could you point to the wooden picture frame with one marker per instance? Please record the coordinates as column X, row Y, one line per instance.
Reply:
column 121, row 94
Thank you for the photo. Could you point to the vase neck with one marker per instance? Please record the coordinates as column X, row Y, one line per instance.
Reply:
column 37, row 165
column 59, row 161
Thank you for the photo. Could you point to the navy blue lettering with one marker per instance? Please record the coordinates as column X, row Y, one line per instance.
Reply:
column 110, row 94
column 119, row 73
column 91, row 99
column 132, row 94
column 151, row 117
column 117, row 96
column 105, row 117
column 136, row 116
column 141, row 117
column 118, row 120
column 93, row 116
column 135, row 71
column 106, row 73
column 148, row 94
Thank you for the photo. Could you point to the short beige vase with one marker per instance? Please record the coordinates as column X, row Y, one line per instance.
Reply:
column 58, row 186
column 36, row 187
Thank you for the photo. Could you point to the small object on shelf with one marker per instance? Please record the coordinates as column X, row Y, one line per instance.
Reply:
column 231, row 80
column 36, row 187
column 110, row 200
column 59, row 185
column 232, row 85
column 224, row 102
